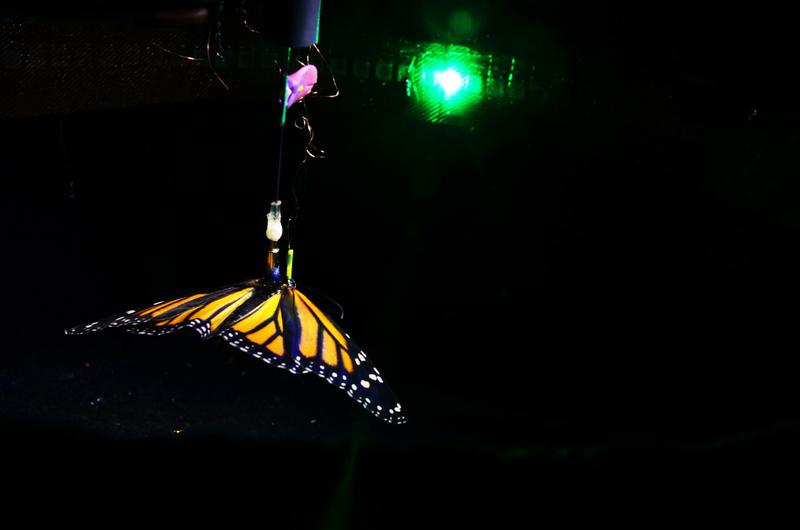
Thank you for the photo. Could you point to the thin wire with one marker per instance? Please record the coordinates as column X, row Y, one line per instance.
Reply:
column 311, row 150
column 243, row 17
column 199, row 59
column 218, row 53
column 302, row 122
column 307, row 287
column 333, row 77
column 298, row 196
column 187, row 57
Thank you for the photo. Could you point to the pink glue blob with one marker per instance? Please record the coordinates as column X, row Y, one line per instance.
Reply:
column 300, row 83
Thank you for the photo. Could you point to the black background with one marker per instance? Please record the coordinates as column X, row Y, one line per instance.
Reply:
column 588, row 304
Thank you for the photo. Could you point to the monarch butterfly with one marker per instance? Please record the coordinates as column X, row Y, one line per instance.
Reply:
column 275, row 322
column 268, row 317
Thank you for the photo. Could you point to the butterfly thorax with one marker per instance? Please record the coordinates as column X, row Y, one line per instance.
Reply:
column 271, row 286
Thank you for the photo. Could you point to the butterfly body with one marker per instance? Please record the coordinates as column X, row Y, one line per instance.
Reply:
column 275, row 322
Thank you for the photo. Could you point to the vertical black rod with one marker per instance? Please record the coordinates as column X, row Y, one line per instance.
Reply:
column 283, row 120
column 280, row 163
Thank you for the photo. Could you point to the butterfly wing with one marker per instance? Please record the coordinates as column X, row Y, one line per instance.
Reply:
column 260, row 332
column 203, row 312
column 289, row 331
column 278, row 325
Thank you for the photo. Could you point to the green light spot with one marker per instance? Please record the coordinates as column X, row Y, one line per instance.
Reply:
column 445, row 81
column 450, row 81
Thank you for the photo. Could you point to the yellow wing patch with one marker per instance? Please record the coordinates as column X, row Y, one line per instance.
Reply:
column 347, row 361
column 329, row 326
column 276, row 346
column 178, row 319
column 220, row 317
column 210, row 308
column 228, row 304
column 261, row 336
column 328, row 350
column 162, row 308
column 309, row 331
column 332, row 338
column 263, row 312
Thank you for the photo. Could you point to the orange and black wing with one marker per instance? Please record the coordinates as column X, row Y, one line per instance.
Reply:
column 203, row 312
column 287, row 330
column 260, row 332
column 278, row 325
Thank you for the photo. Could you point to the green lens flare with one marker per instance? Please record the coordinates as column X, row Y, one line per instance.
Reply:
column 445, row 81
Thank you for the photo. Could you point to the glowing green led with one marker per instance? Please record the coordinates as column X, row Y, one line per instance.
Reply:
column 451, row 81
column 445, row 81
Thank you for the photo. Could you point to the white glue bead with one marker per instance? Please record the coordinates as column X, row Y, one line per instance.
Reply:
column 274, row 227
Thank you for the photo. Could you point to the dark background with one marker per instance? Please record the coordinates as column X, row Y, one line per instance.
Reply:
column 586, row 300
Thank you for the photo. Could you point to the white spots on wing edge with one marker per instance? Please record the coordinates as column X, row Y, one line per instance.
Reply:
column 394, row 414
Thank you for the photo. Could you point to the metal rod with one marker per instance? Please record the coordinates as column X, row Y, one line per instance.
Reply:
column 283, row 121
